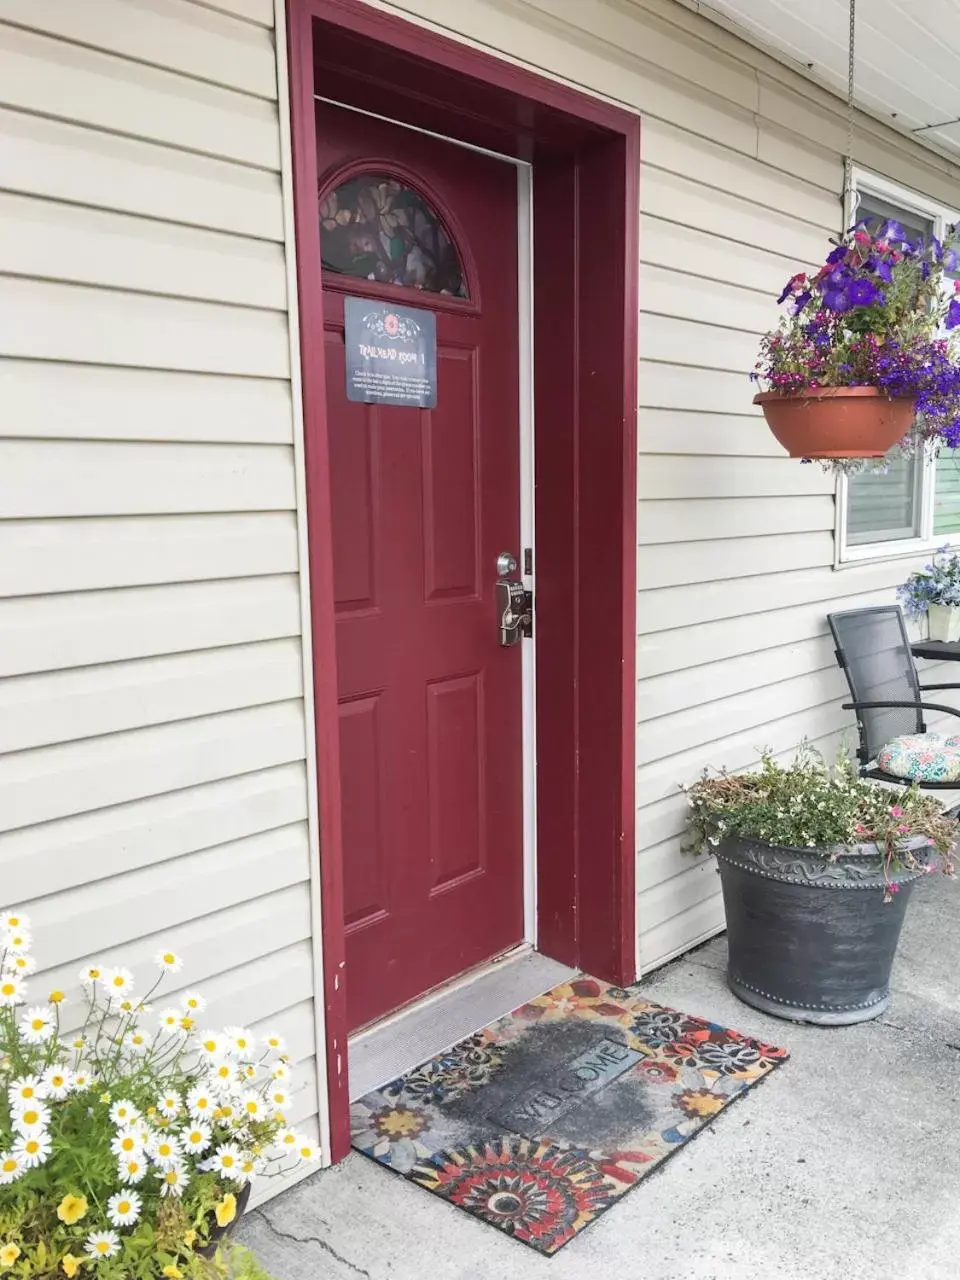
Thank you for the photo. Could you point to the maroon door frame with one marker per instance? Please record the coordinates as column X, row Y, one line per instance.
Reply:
column 586, row 159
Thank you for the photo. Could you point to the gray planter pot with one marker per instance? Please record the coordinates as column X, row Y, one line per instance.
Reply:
column 811, row 938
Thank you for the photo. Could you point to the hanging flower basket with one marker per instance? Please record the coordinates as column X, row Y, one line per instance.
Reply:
column 836, row 422
column 864, row 358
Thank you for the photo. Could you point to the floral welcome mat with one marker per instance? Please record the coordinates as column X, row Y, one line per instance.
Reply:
column 542, row 1121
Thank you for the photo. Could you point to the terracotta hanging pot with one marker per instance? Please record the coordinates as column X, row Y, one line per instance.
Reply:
column 836, row 422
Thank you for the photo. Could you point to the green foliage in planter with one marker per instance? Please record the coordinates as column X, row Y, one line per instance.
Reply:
column 808, row 805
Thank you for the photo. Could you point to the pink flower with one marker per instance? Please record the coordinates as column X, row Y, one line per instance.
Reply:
column 903, row 829
column 894, row 888
column 861, row 237
column 896, row 812
column 956, row 286
column 860, row 829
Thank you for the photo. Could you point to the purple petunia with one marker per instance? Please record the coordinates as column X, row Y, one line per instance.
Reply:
column 953, row 314
column 864, row 293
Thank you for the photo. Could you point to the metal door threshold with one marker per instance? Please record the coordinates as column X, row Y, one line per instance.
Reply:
column 380, row 1053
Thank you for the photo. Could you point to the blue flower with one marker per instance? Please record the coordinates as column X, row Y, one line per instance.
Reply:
column 953, row 314
column 836, row 300
column 864, row 293
column 837, row 255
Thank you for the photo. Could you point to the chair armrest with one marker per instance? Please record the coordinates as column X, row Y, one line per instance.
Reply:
column 918, row 706
column 954, row 685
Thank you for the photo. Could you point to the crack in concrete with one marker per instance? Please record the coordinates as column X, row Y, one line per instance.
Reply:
column 324, row 1245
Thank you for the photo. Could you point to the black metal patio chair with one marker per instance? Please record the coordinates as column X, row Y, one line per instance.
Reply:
column 873, row 649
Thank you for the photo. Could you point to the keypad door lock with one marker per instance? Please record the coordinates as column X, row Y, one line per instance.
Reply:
column 514, row 603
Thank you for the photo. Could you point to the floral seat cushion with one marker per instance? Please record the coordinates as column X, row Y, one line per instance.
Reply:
column 927, row 757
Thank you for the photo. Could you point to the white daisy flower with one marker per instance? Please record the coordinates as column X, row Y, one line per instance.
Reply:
column 251, row 1106
column 249, row 1071
column 91, row 974
column 11, row 1167
column 124, row 1113
column 278, row 1098
column 307, row 1151
column 169, row 1105
column 82, row 1080
column 211, row 1044
column 26, row 1089
column 201, row 1103
column 36, row 1025
column 123, row 1209
column 174, row 1181
column 225, row 1111
column 287, row 1141
column 222, row 1074
column 168, row 960
column 226, row 1160
column 31, row 1118
column 32, row 1148
column 23, row 965
column 14, row 920
column 281, row 1071
column 15, row 940
column 12, row 990
column 57, row 1082
column 164, row 1149
column 169, row 1020
column 196, row 1139
column 102, row 1244
column 118, row 982
column 137, row 1042
column 242, row 1041
column 128, row 1143
column 131, row 1169
column 275, row 1043
column 193, row 1002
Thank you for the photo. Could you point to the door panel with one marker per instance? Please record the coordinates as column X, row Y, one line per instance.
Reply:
column 423, row 502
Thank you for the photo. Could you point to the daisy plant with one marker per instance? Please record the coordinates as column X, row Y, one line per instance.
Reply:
column 127, row 1147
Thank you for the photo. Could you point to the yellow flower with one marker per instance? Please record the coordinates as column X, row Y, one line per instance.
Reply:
column 105, row 1098
column 70, row 1264
column 9, row 1254
column 187, row 1022
column 189, row 1237
column 172, row 1272
column 71, row 1209
column 56, row 997
column 226, row 1210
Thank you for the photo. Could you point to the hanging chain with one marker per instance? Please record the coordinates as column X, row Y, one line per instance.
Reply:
column 849, row 201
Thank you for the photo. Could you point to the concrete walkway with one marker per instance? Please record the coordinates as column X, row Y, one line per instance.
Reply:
column 843, row 1165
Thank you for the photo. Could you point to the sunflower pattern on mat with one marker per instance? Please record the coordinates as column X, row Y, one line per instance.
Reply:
column 540, row 1122
column 535, row 1191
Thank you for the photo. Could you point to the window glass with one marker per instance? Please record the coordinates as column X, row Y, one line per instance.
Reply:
column 375, row 228
column 884, row 506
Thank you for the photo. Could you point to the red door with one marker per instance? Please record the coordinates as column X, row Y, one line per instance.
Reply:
column 424, row 500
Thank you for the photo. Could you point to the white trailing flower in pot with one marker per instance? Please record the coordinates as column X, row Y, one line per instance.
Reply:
column 934, row 592
column 127, row 1148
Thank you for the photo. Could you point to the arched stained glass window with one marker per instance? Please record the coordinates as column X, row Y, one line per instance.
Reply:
column 374, row 228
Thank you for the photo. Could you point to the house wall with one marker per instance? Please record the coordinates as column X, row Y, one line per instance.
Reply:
column 740, row 187
column 153, row 754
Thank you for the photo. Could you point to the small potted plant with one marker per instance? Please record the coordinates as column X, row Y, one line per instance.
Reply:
column 817, row 866
column 129, row 1140
column 934, row 592
column 861, row 361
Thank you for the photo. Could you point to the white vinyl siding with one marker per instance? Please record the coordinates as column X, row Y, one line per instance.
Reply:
column 740, row 187
column 153, row 775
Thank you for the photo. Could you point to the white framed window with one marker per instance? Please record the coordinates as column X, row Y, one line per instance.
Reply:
column 914, row 505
